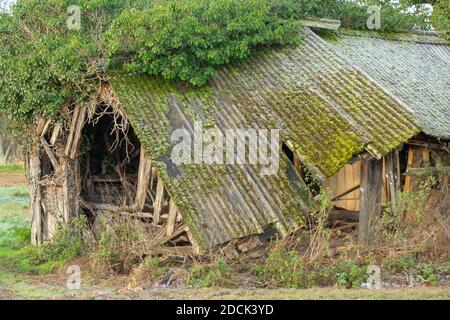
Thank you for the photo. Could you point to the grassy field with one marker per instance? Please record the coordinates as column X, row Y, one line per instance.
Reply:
column 12, row 168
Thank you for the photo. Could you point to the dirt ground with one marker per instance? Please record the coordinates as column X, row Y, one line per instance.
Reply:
column 12, row 179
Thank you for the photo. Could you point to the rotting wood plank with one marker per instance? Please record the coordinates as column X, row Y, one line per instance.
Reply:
column 55, row 134
column 158, row 201
column 144, row 175
column 160, row 250
column 393, row 177
column 195, row 246
column 73, row 124
column 76, row 128
column 172, row 218
column 371, row 191
column 50, row 154
column 79, row 129
column 408, row 187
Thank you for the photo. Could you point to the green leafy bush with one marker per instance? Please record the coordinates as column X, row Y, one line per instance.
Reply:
column 188, row 39
column 283, row 268
column 217, row 274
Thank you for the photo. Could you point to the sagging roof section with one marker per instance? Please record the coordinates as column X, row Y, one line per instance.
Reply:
column 415, row 68
column 328, row 109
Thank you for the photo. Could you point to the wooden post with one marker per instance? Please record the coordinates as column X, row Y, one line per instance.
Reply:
column 158, row 201
column 370, row 212
column 145, row 170
column 393, row 176
column 172, row 218
column 411, row 159
column 35, row 199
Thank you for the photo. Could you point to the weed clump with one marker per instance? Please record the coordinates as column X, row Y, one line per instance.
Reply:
column 217, row 274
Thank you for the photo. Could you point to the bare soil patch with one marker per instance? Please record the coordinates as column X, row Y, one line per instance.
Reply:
column 12, row 179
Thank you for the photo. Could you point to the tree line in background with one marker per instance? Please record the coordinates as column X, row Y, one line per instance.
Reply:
column 44, row 64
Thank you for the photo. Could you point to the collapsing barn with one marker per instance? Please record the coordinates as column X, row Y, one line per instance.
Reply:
column 113, row 156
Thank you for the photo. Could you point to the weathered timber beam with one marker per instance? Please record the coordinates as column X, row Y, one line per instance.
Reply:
column 76, row 128
column 158, row 201
column 160, row 250
column 421, row 172
column 343, row 215
column 144, row 174
column 172, row 218
column 343, row 194
column 428, row 145
column 55, row 134
column 392, row 163
column 50, row 154
column 370, row 203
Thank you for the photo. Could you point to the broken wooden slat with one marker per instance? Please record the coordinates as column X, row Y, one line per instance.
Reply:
column 195, row 246
column 393, row 177
column 158, row 201
column 50, row 154
column 45, row 128
column 172, row 218
column 73, row 125
column 144, row 174
column 370, row 212
column 78, row 131
column 343, row 194
column 76, row 127
column 55, row 134
column 160, row 250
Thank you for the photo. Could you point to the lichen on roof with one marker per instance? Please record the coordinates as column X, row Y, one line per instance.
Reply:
column 329, row 110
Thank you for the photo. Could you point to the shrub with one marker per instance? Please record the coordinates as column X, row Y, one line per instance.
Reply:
column 188, row 39
column 400, row 264
column 350, row 274
column 67, row 243
column 119, row 246
column 217, row 274
column 283, row 268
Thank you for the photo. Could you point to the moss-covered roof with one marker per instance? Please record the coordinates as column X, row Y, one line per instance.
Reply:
column 328, row 109
column 415, row 67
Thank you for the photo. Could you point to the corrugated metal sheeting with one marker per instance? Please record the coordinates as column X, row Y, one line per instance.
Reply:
column 329, row 110
column 416, row 73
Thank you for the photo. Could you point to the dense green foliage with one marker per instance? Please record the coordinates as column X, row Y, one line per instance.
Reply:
column 45, row 65
column 185, row 39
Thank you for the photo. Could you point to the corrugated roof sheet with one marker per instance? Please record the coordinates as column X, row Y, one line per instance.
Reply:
column 327, row 108
column 417, row 73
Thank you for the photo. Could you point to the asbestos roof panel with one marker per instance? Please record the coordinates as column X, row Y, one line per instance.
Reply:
column 329, row 110
column 417, row 73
